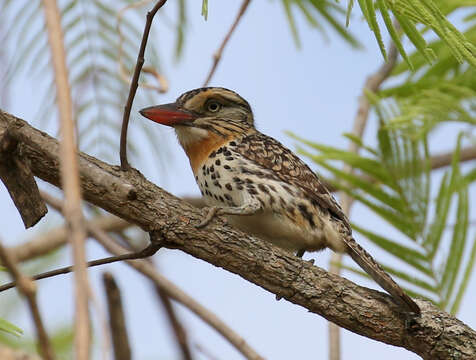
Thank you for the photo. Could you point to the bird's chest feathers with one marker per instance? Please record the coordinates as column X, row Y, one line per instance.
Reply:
column 198, row 144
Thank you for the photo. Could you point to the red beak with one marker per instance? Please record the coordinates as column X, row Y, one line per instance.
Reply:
column 167, row 114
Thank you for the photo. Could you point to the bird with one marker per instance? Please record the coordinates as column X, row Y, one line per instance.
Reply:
column 262, row 187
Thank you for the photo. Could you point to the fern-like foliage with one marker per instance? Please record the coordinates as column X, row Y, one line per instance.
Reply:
column 97, row 42
column 415, row 17
column 319, row 14
column 430, row 95
column 393, row 180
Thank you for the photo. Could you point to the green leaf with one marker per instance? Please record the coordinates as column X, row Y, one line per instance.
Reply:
column 422, row 284
column 415, row 37
column 10, row 328
column 371, row 189
column 392, row 31
column 410, row 256
column 205, row 9
column 465, row 280
column 369, row 166
column 458, row 242
column 181, row 23
column 358, row 141
column 397, row 220
column 470, row 177
column 292, row 24
column 368, row 9
column 443, row 202
column 391, row 271
column 350, row 5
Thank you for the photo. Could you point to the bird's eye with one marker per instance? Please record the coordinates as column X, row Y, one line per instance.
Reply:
column 213, row 106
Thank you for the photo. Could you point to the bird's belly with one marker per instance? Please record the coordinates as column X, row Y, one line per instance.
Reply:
column 277, row 229
column 286, row 218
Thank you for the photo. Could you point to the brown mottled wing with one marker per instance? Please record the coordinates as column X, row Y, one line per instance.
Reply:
column 287, row 167
column 272, row 155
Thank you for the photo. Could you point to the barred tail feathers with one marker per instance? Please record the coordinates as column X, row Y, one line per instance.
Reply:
column 371, row 267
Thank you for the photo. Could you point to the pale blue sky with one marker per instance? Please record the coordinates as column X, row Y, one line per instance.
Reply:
column 313, row 92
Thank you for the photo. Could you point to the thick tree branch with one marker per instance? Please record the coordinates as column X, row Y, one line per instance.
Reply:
column 19, row 181
column 436, row 335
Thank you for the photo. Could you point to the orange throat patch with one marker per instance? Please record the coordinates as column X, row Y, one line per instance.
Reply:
column 199, row 151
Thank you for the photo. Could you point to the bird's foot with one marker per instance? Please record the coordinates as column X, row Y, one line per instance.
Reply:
column 210, row 213
column 300, row 253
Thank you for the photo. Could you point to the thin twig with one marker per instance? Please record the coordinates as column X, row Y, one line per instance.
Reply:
column 217, row 55
column 134, row 83
column 205, row 352
column 117, row 321
column 123, row 73
column 148, row 251
column 372, row 84
column 70, row 180
column 28, row 288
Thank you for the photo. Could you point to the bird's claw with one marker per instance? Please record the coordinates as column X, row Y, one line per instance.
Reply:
column 211, row 212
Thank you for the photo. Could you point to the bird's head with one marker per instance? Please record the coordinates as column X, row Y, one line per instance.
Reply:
column 203, row 113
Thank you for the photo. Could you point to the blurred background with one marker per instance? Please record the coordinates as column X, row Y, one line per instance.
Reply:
column 300, row 76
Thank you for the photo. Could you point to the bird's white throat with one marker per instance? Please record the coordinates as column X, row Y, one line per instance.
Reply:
column 188, row 135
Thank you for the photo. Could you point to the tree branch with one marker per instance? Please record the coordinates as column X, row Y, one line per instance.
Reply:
column 134, row 83
column 436, row 335
column 70, row 180
column 217, row 55
column 20, row 183
column 117, row 321
column 57, row 237
column 28, row 288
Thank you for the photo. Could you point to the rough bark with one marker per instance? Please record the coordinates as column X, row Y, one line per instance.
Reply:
column 19, row 181
column 435, row 335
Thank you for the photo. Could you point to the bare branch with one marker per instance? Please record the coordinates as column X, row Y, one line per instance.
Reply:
column 148, row 251
column 435, row 335
column 123, row 73
column 70, row 180
column 18, row 179
column 179, row 331
column 117, row 321
column 28, row 288
column 57, row 237
column 134, row 83
column 219, row 52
